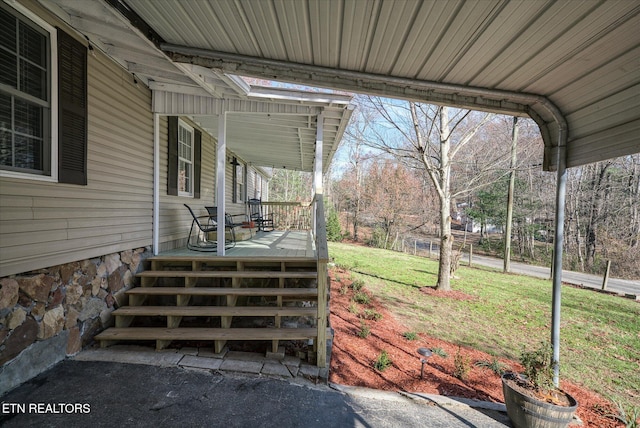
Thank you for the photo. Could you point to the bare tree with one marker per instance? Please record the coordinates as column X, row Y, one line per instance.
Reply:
column 356, row 135
column 426, row 137
column 288, row 185
column 390, row 198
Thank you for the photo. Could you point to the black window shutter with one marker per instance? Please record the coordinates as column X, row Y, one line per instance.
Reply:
column 72, row 110
column 172, row 168
column 197, row 162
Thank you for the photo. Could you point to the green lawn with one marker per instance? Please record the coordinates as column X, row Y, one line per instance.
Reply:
column 600, row 334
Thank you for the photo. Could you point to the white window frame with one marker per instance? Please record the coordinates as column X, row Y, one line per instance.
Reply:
column 53, row 99
column 189, row 129
column 257, row 191
column 240, row 182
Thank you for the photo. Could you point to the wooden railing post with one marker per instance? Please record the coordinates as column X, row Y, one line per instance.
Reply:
column 323, row 273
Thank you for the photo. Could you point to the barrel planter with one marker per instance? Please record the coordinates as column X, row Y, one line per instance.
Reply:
column 528, row 412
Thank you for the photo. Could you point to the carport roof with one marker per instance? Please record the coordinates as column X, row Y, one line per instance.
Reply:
column 570, row 64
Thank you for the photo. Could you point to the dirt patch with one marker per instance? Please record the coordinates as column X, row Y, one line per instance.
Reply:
column 353, row 358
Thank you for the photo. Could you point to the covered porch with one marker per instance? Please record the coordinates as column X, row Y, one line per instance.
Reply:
column 278, row 243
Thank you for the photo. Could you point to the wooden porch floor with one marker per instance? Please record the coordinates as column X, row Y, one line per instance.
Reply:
column 278, row 243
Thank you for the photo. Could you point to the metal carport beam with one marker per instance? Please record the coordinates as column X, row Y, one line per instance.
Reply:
column 539, row 108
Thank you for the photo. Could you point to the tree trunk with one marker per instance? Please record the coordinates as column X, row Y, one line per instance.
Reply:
column 446, row 239
column 446, row 245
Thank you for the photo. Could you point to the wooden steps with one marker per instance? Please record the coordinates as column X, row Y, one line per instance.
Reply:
column 214, row 311
column 153, row 333
column 227, row 274
column 231, row 288
column 223, row 291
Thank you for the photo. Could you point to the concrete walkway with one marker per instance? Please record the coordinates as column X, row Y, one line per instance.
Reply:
column 129, row 386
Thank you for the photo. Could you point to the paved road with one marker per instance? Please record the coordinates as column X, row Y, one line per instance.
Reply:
column 577, row 278
column 587, row 280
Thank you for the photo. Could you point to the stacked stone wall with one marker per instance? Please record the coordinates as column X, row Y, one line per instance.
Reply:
column 67, row 303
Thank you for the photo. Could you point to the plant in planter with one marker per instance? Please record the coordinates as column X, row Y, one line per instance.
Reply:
column 532, row 399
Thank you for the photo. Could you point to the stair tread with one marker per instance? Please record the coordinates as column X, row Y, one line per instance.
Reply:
column 215, row 311
column 182, row 333
column 223, row 291
column 227, row 259
column 228, row 274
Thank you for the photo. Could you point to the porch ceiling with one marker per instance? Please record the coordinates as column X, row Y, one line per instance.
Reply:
column 581, row 56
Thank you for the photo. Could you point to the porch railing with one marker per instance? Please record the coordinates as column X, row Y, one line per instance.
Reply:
column 289, row 215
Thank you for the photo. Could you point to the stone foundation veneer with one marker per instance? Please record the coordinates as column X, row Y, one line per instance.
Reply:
column 51, row 313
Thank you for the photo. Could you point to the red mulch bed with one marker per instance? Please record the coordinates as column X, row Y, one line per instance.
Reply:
column 353, row 357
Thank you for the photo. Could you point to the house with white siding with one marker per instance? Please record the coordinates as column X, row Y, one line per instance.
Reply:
column 103, row 140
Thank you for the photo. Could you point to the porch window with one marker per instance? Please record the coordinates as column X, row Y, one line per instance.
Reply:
column 184, row 165
column 257, row 193
column 185, row 159
column 238, row 175
column 30, row 88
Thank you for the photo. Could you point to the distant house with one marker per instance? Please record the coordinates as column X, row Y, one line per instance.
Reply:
column 102, row 142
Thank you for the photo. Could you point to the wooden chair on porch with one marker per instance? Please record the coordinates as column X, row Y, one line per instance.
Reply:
column 264, row 221
column 230, row 220
column 200, row 240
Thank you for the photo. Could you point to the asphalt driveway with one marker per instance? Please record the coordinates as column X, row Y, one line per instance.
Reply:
column 107, row 394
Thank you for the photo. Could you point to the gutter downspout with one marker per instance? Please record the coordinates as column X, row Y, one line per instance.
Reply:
column 156, row 184
column 561, row 190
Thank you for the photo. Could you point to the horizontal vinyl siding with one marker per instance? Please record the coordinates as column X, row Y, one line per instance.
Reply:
column 175, row 219
column 44, row 224
column 239, row 207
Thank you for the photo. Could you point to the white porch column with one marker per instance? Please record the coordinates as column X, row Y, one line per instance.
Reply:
column 221, row 159
column 317, row 168
column 155, row 240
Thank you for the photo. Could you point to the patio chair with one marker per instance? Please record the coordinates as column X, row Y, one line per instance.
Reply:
column 264, row 221
column 229, row 222
column 200, row 241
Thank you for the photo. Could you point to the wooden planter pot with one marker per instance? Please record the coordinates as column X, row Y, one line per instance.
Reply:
column 528, row 412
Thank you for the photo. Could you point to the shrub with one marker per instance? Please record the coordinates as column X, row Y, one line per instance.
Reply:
column 372, row 314
column 628, row 415
column 439, row 352
column 378, row 238
column 364, row 330
column 357, row 284
column 461, row 366
column 334, row 233
column 354, row 309
column 361, row 297
column 344, row 290
column 494, row 365
column 410, row 335
column 538, row 366
column 382, row 362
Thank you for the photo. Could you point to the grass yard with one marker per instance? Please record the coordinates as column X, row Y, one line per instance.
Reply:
column 600, row 334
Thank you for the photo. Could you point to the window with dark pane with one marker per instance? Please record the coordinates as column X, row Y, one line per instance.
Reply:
column 185, row 159
column 24, row 94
